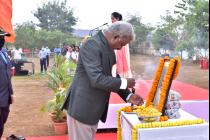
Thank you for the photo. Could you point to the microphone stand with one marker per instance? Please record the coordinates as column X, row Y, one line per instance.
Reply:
column 97, row 28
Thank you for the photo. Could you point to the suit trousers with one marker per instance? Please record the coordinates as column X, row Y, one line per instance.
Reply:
column 47, row 59
column 43, row 64
column 80, row 131
column 4, row 113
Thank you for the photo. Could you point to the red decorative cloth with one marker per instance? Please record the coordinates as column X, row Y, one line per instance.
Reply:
column 123, row 62
column 6, row 19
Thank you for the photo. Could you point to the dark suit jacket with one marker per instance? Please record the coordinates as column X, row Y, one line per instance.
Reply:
column 5, row 82
column 88, row 97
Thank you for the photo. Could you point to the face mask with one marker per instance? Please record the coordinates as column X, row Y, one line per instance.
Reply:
column 2, row 41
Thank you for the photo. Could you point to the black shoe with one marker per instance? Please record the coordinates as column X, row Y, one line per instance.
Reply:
column 13, row 137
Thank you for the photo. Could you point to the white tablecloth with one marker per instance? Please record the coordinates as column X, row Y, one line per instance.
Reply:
column 187, row 132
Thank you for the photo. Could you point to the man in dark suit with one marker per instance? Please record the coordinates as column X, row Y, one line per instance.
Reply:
column 88, row 98
column 6, row 92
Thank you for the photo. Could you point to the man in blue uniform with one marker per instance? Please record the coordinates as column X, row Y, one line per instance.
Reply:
column 6, row 92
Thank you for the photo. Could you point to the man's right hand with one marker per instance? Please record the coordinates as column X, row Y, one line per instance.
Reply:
column 130, row 82
column 136, row 100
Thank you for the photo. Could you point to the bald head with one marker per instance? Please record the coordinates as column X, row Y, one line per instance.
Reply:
column 119, row 34
column 121, row 28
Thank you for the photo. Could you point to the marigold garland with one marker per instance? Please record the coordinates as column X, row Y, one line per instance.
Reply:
column 163, row 118
column 165, row 84
column 119, row 129
column 153, row 89
column 178, row 66
column 152, row 124
column 171, row 73
column 164, row 124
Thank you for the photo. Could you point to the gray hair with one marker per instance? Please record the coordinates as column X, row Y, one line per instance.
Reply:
column 121, row 28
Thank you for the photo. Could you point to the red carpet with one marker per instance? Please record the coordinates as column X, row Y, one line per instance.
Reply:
column 99, row 136
column 187, row 91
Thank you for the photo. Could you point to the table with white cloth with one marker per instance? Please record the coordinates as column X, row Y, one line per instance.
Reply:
column 185, row 132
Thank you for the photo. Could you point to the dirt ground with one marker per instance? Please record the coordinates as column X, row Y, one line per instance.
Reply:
column 32, row 93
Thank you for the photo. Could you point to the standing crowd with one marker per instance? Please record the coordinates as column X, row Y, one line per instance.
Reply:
column 71, row 53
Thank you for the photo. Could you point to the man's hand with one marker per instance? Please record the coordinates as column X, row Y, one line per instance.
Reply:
column 130, row 82
column 136, row 100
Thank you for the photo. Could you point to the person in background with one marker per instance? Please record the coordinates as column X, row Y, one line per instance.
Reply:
column 43, row 58
column 88, row 98
column 75, row 54
column 115, row 16
column 64, row 49
column 123, row 55
column 57, row 50
column 48, row 56
column 69, row 54
column 6, row 91
column 20, row 50
column 84, row 40
column 69, row 59
column 17, row 54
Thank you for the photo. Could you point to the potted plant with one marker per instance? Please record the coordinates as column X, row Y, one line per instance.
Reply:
column 59, row 81
column 59, row 76
column 58, row 117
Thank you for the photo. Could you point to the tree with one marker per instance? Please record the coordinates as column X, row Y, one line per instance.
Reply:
column 198, row 21
column 166, row 35
column 195, row 14
column 174, row 27
column 25, row 35
column 163, row 39
column 55, row 15
column 28, row 36
column 141, row 31
column 53, row 39
column 182, row 8
column 195, row 17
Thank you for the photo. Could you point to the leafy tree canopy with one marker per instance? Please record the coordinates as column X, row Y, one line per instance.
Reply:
column 27, row 36
column 198, row 23
column 141, row 30
column 55, row 15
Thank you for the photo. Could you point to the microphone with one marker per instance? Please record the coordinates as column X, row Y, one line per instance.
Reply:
column 91, row 31
column 105, row 24
column 100, row 26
